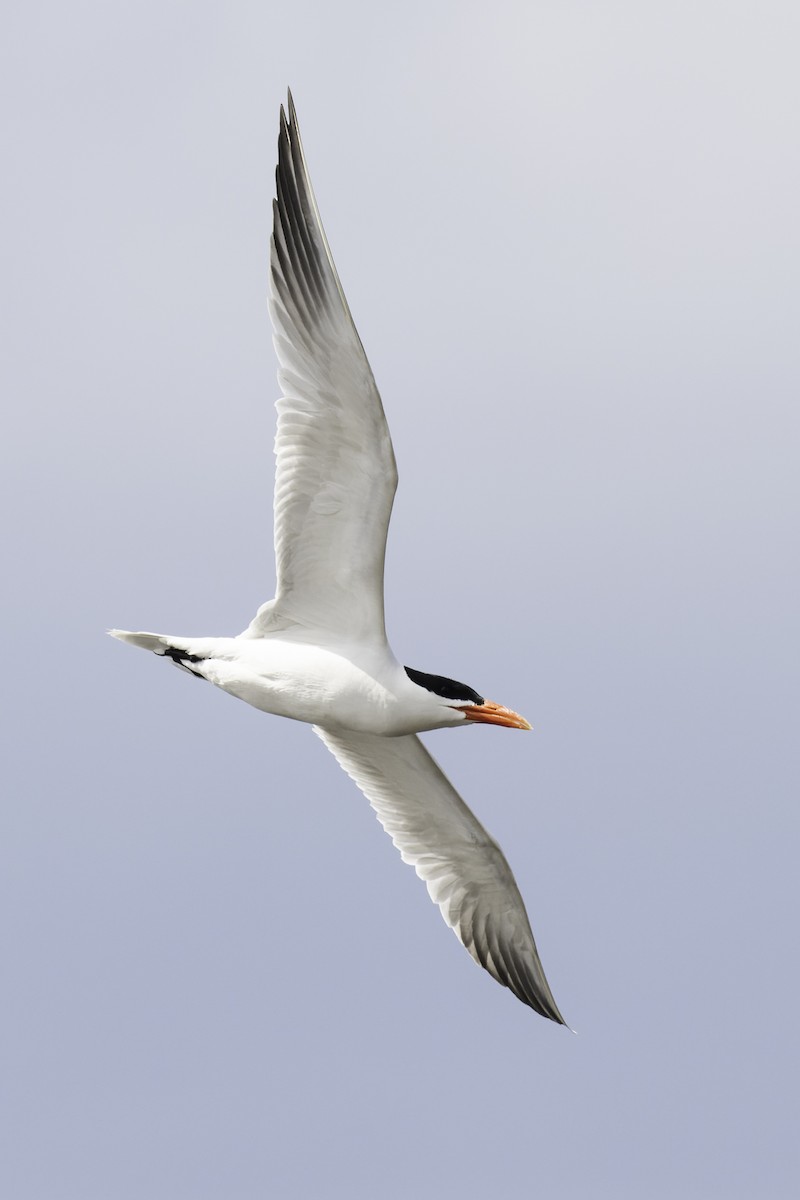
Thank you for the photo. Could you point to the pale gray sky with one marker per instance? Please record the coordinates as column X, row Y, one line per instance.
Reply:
column 568, row 233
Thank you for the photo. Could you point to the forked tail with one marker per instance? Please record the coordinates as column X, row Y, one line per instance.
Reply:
column 145, row 641
column 166, row 647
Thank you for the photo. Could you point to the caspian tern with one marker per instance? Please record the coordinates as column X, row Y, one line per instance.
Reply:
column 318, row 652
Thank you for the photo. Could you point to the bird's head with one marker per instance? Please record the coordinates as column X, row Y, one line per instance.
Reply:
column 465, row 703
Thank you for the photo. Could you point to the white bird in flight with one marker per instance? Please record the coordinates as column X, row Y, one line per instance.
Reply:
column 318, row 652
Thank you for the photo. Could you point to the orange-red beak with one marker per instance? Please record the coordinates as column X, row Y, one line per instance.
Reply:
column 494, row 714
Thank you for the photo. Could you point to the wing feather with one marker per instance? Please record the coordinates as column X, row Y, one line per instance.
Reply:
column 335, row 473
column 465, row 870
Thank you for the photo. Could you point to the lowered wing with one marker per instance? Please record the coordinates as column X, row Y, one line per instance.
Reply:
column 465, row 870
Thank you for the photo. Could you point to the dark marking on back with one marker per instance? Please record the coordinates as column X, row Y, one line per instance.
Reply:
column 181, row 655
column 182, row 658
column 440, row 685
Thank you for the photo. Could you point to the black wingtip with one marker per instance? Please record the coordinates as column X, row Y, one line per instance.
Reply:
column 292, row 109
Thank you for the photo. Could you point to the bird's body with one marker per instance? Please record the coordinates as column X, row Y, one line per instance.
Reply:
column 339, row 686
column 318, row 652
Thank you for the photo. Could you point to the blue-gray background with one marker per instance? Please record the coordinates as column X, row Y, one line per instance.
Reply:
column 569, row 235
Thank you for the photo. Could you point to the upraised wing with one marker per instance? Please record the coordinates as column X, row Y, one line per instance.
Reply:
column 336, row 474
column 465, row 870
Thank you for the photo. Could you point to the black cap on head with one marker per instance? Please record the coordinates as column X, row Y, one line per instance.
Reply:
column 440, row 685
